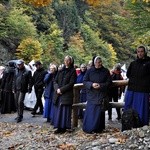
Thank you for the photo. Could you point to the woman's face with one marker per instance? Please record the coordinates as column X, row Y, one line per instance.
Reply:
column 52, row 69
column 67, row 61
column 83, row 68
column 140, row 53
column 98, row 63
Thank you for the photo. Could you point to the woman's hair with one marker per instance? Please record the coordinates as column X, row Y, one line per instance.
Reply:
column 144, row 48
column 71, row 59
column 97, row 58
column 53, row 66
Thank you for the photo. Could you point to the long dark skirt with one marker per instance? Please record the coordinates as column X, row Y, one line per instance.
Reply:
column 94, row 119
column 62, row 116
column 140, row 102
column 48, row 109
column 8, row 102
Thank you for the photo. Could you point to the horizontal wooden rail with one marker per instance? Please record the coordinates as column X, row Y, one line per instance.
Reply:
column 76, row 101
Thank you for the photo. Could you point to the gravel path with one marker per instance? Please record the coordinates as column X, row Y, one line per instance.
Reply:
column 34, row 133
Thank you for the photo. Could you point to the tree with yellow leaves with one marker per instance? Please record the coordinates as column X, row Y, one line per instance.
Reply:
column 29, row 49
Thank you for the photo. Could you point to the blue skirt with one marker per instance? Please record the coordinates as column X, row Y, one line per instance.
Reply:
column 62, row 116
column 139, row 101
column 94, row 119
column 48, row 109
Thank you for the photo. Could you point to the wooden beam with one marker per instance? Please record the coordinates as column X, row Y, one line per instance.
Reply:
column 77, row 104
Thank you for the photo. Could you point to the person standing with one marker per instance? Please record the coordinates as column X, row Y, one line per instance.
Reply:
column 137, row 94
column 114, row 91
column 97, row 80
column 63, row 95
column 22, row 84
column 38, row 82
column 80, row 76
column 48, row 93
column 8, row 101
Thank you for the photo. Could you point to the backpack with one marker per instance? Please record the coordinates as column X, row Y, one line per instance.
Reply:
column 130, row 119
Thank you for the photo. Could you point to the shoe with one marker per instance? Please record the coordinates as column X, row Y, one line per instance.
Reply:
column 16, row 118
column 19, row 119
column 39, row 113
column 33, row 113
column 59, row 131
column 109, row 118
column 118, row 118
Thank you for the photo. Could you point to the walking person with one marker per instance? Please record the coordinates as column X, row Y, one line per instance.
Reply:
column 38, row 82
column 48, row 93
column 63, row 95
column 137, row 94
column 21, row 85
column 96, row 81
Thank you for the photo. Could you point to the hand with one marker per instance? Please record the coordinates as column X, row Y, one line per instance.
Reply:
column 96, row 85
column 58, row 91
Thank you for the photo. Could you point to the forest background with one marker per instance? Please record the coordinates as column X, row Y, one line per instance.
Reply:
column 80, row 28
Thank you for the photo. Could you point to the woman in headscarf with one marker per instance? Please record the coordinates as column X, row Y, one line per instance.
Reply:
column 8, row 102
column 63, row 95
column 96, row 80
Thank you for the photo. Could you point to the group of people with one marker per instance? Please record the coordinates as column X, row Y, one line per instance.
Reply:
column 57, row 86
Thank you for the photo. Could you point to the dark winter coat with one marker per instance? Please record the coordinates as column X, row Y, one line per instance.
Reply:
column 7, row 79
column 22, row 80
column 101, row 76
column 49, row 89
column 64, row 81
column 139, row 75
column 38, row 78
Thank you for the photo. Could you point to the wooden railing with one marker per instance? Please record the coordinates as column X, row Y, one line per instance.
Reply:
column 77, row 105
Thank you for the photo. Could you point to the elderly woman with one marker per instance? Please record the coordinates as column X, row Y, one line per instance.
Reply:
column 63, row 95
column 48, row 93
column 96, row 80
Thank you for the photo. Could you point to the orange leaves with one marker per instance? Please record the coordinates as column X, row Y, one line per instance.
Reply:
column 38, row 3
column 93, row 2
column 67, row 147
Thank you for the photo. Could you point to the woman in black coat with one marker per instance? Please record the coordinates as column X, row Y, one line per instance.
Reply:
column 63, row 95
column 96, row 80
column 8, row 102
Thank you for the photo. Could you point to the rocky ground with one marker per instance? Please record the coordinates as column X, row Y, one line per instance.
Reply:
column 34, row 133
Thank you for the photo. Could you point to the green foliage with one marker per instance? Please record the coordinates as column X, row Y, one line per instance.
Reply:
column 67, row 16
column 52, row 44
column 96, row 46
column 112, row 29
column 76, row 49
column 19, row 25
column 29, row 49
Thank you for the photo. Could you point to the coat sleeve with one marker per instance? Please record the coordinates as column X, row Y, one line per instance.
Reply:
column 104, row 86
column 47, row 78
column 68, row 86
column 30, row 81
column 86, row 82
column 129, row 71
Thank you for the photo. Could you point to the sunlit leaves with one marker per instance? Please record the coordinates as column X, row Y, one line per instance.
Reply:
column 134, row 1
column 38, row 3
column 29, row 49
